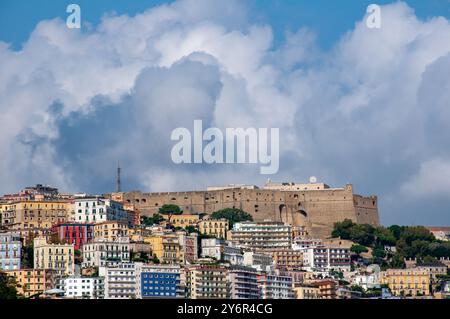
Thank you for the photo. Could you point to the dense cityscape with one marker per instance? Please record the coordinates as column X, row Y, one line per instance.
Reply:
column 231, row 242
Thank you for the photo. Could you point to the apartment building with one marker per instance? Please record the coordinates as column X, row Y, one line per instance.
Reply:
column 184, row 221
column 76, row 234
column 206, row 282
column 214, row 227
column 300, row 243
column 327, row 288
column 189, row 247
column 262, row 235
column 10, row 251
column 32, row 282
column 287, row 259
column 221, row 250
column 102, row 252
column 158, row 281
column 324, row 258
column 30, row 214
column 307, row 292
column 166, row 248
column 212, row 247
column 97, row 209
column 111, row 230
column 243, row 282
column 258, row 260
column 272, row 286
column 59, row 257
column 120, row 281
column 76, row 287
column 408, row 282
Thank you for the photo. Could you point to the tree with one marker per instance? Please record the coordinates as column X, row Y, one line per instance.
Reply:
column 411, row 234
column 378, row 254
column 155, row 260
column 192, row 229
column 357, row 288
column 7, row 287
column 396, row 231
column 398, row 261
column 28, row 256
column 342, row 229
column 362, row 234
column 233, row 215
column 78, row 257
column 150, row 221
column 359, row 249
column 384, row 236
column 170, row 210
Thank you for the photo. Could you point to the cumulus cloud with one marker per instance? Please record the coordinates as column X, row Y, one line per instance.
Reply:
column 373, row 111
column 432, row 180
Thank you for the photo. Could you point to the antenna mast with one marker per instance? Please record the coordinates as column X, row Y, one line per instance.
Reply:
column 118, row 186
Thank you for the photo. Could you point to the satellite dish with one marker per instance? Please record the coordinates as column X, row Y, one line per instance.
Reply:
column 313, row 179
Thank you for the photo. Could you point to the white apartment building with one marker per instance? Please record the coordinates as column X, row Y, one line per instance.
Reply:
column 367, row 281
column 275, row 286
column 262, row 235
column 305, row 243
column 97, row 209
column 325, row 258
column 120, row 281
column 83, row 287
column 220, row 250
column 212, row 247
column 258, row 261
column 233, row 255
column 102, row 252
column 10, row 251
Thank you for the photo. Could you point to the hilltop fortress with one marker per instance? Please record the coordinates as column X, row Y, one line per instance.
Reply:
column 315, row 206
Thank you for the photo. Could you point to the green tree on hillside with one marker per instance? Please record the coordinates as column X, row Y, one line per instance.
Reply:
column 233, row 215
column 154, row 220
column 359, row 249
column 170, row 210
column 342, row 229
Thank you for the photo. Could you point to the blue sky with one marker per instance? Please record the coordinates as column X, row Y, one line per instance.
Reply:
column 330, row 19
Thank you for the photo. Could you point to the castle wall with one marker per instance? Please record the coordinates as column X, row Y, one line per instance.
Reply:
column 317, row 210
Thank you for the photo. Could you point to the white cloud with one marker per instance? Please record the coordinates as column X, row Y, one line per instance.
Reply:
column 433, row 179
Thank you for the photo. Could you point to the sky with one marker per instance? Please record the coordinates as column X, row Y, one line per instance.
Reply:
column 355, row 105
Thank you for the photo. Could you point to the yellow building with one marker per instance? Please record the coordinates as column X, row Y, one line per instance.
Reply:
column 214, row 227
column 307, row 292
column 184, row 220
column 30, row 282
column 111, row 230
column 166, row 248
column 407, row 282
column 58, row 257
column 24, row 215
